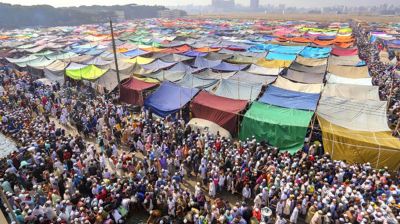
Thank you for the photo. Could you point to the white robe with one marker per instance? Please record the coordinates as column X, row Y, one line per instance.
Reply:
column 295, row 215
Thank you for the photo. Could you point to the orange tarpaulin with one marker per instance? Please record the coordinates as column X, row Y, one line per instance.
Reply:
column 300, row 40
column 344, row 45
column 343, row 39
column 207, row 49
column 323, row 42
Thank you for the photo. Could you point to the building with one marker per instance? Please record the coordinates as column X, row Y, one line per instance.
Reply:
column 254, row 4
column 223, row 4
column 174, row 13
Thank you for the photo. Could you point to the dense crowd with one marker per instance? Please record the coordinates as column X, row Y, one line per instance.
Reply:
column 139, row 163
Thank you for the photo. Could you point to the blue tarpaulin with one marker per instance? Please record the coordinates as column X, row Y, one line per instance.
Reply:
column 316, row 52
column 169, row 98
column 279, row 56
column 201, row 62
column 289, row 99
column 195, row 54
column 287, row 49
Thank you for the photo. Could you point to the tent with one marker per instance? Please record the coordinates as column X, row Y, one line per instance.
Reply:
column 201, row 62
column 192, row 81
column 228, row 67
column 334, row 79
column 109, row 80
column 354, row 146
column 349, row 71
column 244, row 76
column 259, row 70
column 55, row 71
column 348, row 91
column 360, row 115
column 210, row 74
column 309, row 69
column 169, row 98
column 316, row 52
column 280, row 56
column 344, row 51
column 273, row 63
column 352, row 60
column 241, row 59
column 287, row 49
column 298, row 87
column 220, row 110
column 289, row 99
column 236, row 89
column 311, row 61
column 281, row 127
column 86, row 72
column 304, row 77
column 208, row 127
column 132, row 91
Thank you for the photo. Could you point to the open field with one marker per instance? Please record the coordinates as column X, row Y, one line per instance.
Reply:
column 312, row 17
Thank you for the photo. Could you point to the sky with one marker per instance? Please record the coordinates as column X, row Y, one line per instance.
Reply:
column 297, row 3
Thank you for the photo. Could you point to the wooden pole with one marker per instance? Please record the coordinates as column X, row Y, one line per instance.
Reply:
column 115, row 57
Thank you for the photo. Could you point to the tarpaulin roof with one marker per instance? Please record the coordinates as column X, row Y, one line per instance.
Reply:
column 191, row 81
column 348, row 71
column 169, row 98
column 379, row 148
column 131, row 91
column 311, row 61
column 236, row 89
column 281, row 127
column 334, row 79
column 167, row 75
column 109, row 80
column 241, row 59
column 220, row 110
column 304, row 77
column 287, row 49
column 175, row 58
column 352, row 60
column 348, row 91
column 280, row 56
column 210, row 74
column 244, row 76
column 298, row 87
column 201, row 62
column 256, row 69
column 273, row 63
column 360, row 115
column 315, row 52
column 139, row 60
column 88, row 72
column 157, row 65
column 135, row 53
column 289, row 99
column 228, row 67
column 344, row 51
column 311, row 69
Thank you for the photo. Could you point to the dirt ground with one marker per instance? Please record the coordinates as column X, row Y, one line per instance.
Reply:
column 310, row 17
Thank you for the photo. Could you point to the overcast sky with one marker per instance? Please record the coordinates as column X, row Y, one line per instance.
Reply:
column 305, row 3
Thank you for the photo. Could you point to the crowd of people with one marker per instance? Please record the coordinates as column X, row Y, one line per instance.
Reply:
column 121, row 164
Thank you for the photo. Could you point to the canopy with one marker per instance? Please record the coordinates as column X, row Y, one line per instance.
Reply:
column 109, row 80
column 280, row 56
column 352, row 60
column 273, row 63
column 289, row 99
column 191, row 81
column 298, row 87
column 379, row 148
column 311, row 61
column 228, row 67
column 344, row 51
column 360, row 115
column 287, row 49
column 349, row 91
column 315, row 52
column 208, row 127
column 169, row 98
column 235, row 89
column 132, row 91
column 210, row 74
column 55, row 71
column 281, row 127
column 220, row 110
column 201, row 62
column 349, row 71
column 309, row 69
column 88, row 72
column 304, row 77
column 334, row 79
column 259, row 70
column 243, row 76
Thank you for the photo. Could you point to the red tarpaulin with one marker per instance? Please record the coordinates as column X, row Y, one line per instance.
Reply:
column 132, row 91
column 220, row 110
column 344, row 51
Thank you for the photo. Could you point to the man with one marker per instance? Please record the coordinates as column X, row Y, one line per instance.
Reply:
column 295, row 214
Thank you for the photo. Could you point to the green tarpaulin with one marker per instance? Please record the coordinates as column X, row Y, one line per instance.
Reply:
column 89, row 72
column 282, row 127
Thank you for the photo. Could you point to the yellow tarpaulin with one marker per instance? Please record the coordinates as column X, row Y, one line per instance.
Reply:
column 145, row 79
column 379, row 148
column 140, row 60
column 273, row 63
column 348, row 71
column 89, row 72
column 299, row 87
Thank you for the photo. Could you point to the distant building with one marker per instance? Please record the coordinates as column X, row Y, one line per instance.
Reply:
column 254, row 4
column 223, row 4
column 174, row 13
